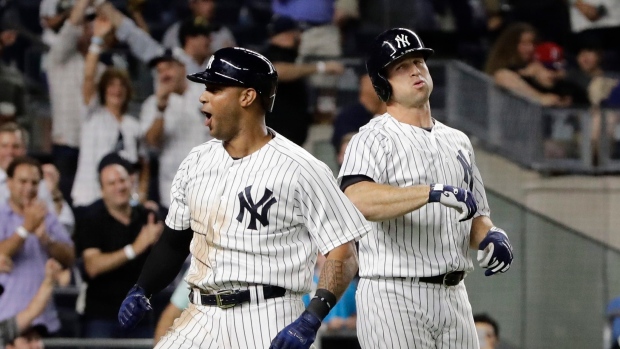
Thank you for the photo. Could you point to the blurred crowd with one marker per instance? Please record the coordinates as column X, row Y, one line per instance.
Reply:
column 82, row 206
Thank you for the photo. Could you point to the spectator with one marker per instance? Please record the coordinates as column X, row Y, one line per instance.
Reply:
column 113, row 238
column 290, row 115
column 14, row 143
column 597, row 20
column 203, row 11
column 30, row 236
column 12, row 329
column 512, row 65
column 195, row 36
column 356, row 115
column 12, row 86
column 488, row 331
column 171, row 119
column 65, row 75
column 108, row 127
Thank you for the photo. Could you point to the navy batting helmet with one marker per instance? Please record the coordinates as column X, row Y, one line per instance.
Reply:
column 388, row 47
column 235, row 66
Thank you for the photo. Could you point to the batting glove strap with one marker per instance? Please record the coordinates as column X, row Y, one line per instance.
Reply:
column 454, row 197
column 298, row 335
column 133, row 308
column 495, row 252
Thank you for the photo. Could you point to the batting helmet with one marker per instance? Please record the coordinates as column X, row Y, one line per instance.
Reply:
column 388, row 47
column 235, row 66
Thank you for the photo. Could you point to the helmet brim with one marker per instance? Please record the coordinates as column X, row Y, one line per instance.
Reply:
column 426, row 52
column 206, row 77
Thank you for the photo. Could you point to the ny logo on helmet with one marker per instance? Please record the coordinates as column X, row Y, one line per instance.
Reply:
column 402, row 40
column 247, row 203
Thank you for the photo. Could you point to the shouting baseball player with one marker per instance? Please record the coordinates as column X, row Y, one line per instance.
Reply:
column 254, row 209
column 416, row 180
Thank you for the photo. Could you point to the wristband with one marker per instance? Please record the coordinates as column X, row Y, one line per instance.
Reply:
column 321, row 67
column 129, row 252
column 93, row 48
column 322, row 303
column 96, row 40
column 22, row 232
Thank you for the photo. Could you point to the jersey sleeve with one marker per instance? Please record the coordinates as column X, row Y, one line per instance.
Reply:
column 478, row 190
column 179, row 212
column 366, row 155
column 329, row 216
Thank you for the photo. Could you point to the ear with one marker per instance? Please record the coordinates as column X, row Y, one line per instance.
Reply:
column 247, row 96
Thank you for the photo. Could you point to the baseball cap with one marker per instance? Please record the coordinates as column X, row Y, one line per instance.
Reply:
column 169, row 55
column 550, row 54
column 280, row 24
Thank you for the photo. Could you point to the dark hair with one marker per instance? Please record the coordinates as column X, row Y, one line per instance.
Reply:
column 108, row 76
column 12, row 127
column 485, row 318
column 194, row 27
column 114, row 159
column 23, row 160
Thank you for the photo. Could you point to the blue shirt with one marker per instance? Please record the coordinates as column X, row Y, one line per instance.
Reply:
column 22, row 283
column 315, row 11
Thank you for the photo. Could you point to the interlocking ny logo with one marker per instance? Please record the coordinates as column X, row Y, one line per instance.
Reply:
column 402, row 40
column 469, row 173
column 247, row 203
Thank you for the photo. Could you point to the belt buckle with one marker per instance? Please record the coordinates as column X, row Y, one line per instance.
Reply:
column 218, row 298
column 445, row 279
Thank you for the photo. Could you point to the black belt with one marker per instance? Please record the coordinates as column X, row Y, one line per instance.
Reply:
column 447, row 279
column 229, row 298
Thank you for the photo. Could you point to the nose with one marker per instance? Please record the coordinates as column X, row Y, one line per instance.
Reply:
column 204, row 97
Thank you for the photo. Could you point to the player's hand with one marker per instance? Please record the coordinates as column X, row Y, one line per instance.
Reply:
column 460, row 199
column 34, row 214
column 495, row 252
column 298, row 335
column 133, row 308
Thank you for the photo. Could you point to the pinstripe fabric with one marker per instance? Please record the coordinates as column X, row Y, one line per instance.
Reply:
column 250, row 325
column 395, row 310
column 429, row 241
column 404, row 313
column 258, row 220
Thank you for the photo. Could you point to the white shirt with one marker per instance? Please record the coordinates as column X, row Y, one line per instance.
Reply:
column 183, row 129
column 612, row 19
column 259, row 219
column 99, row 136
column 65, row 77
column 429, row 241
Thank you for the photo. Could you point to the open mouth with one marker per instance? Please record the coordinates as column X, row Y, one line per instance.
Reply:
column 207, row 115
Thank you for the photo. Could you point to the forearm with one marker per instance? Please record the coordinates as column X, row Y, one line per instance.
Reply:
column 155, row 135
column 140, row 43
column 111, row 13
column 339, row 269
column 89, row 85
column 77, row 13
column 36, row 305
column 12, row 245
column 380, row 202
column 165, row 260
column 97, row 263
column 63, row 253
column 166, row 319
column 513, row 82
column 292, row 71
column 479, row 228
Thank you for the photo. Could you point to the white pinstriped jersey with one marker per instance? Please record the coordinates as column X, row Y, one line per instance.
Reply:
column 429, row 241
column 259, row 219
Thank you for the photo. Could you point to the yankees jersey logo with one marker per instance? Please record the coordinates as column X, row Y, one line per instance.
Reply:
column 247, row 203
column 467, row 169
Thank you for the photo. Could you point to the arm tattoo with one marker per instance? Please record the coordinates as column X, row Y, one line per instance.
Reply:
column 336, row 276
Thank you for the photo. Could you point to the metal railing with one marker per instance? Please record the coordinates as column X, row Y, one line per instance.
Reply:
column 541, row 138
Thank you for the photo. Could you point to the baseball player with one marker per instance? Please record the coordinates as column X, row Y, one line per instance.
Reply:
column 254, row 209
column 416, row 180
